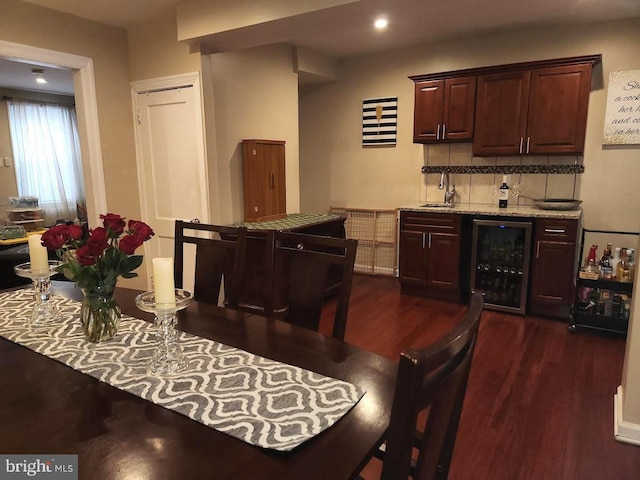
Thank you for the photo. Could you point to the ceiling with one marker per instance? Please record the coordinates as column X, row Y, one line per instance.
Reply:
column 17, row 75
column 346, row 31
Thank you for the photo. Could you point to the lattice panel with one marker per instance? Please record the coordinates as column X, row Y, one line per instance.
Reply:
column 375, row 231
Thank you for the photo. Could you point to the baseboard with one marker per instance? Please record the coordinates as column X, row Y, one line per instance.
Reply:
column 623, row 431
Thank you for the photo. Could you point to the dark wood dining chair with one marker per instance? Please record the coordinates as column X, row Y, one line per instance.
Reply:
column 433, row 378
column 306, row 269
column 219, row 260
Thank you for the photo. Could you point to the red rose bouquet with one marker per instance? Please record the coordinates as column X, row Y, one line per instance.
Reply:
column 97, row 257
column 94, row 259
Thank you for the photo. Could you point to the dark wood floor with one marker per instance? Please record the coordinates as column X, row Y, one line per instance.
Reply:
column 539, row 403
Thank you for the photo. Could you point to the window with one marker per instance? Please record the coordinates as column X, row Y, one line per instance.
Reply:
column 47, row 158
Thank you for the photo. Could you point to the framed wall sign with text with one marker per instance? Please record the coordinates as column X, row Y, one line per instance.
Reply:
column 622, row 117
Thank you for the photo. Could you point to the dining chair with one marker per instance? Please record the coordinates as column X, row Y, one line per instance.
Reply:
column 219, row 258
column 257, row 272
column 306, row 269
column 436, row 378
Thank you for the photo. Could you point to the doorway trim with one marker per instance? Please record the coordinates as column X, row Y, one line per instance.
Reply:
column 86, row 101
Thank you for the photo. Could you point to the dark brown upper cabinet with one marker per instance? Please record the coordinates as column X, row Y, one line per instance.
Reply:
column 444, row 109
column 532, row 108
column 532, row 112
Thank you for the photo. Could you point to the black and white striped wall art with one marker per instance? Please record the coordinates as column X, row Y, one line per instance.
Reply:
column 379, row 121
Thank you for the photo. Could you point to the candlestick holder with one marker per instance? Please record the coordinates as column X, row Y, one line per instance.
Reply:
column 167, row 357
column 44, row 311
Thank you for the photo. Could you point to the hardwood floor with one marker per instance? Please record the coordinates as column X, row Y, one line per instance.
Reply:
column 539, row 404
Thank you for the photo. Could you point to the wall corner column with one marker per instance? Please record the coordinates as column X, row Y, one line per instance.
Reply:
column 627, row 398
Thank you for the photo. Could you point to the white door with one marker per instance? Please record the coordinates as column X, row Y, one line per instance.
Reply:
column 171, row 161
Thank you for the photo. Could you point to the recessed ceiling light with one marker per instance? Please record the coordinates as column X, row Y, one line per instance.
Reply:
column 381, row 23
column 39, row 74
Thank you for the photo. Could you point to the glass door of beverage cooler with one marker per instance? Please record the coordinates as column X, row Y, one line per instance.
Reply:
column 500, row 263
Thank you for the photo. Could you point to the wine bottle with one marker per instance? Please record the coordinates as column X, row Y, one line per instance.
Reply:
column 503, row 194
column 606, row 269
column 623, row 273
column 614, row 263
column 591, row 264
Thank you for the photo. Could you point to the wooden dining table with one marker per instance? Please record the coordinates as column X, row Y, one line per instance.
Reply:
column 47, row 407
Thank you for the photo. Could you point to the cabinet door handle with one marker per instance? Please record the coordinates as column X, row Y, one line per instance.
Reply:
column 439, row 226
column 423, row 240
column 528, row 140
column 438, row 133
column 272, row 180
column 538, row 249
column 444, row 131
column 429, row 239
column 521, row 140
column 554, row 230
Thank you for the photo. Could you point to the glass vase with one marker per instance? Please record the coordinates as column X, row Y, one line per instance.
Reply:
column 100, row 314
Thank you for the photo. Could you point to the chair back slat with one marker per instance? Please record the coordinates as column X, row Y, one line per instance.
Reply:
column 436, row 378
column 219, row 261
column 303, row 267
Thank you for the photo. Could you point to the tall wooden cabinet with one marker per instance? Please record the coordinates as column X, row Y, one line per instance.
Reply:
column 443, row 109
column 263, row 167
column 529, row 112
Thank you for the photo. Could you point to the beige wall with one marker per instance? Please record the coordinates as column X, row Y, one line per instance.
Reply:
column 155, row 52
column 253, row 94
column 336, row 170
column 28, row 24
column 8, row 187
column 631, row 372
column 198, row 18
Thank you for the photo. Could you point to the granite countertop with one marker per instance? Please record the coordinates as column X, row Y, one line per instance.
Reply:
column 494, row 210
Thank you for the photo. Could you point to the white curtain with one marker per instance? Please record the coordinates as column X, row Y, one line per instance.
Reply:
column 47, row 160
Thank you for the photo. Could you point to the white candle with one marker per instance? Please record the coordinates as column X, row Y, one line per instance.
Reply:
column 163, row 285
column 38, row 255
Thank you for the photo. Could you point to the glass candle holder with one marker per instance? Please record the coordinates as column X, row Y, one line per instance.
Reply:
column 44, row 311
column 167, row 358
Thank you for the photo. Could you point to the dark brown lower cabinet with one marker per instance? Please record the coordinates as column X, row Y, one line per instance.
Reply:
column 429, row 254
column 253, row 290
column 554, row 267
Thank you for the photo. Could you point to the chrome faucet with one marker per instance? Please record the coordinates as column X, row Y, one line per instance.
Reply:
column 449, row 195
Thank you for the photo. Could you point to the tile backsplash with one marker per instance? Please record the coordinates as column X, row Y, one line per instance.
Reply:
column 482, row 187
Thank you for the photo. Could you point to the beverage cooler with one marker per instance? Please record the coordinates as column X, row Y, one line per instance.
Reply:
column 500, row 263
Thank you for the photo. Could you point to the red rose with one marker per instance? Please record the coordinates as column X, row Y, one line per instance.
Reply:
column 75, row 232
column 141, row 229
column 96, row 245
column 113, row 223
column 84, row 257
column 55, row 237
column 99, row 232
column 129, row 243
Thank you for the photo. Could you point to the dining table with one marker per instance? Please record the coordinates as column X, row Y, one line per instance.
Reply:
column 48, row 407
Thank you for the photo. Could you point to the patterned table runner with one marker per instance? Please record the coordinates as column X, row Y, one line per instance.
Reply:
column 260, row 401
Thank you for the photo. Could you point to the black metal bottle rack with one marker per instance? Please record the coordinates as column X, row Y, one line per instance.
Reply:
column 613, row 323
